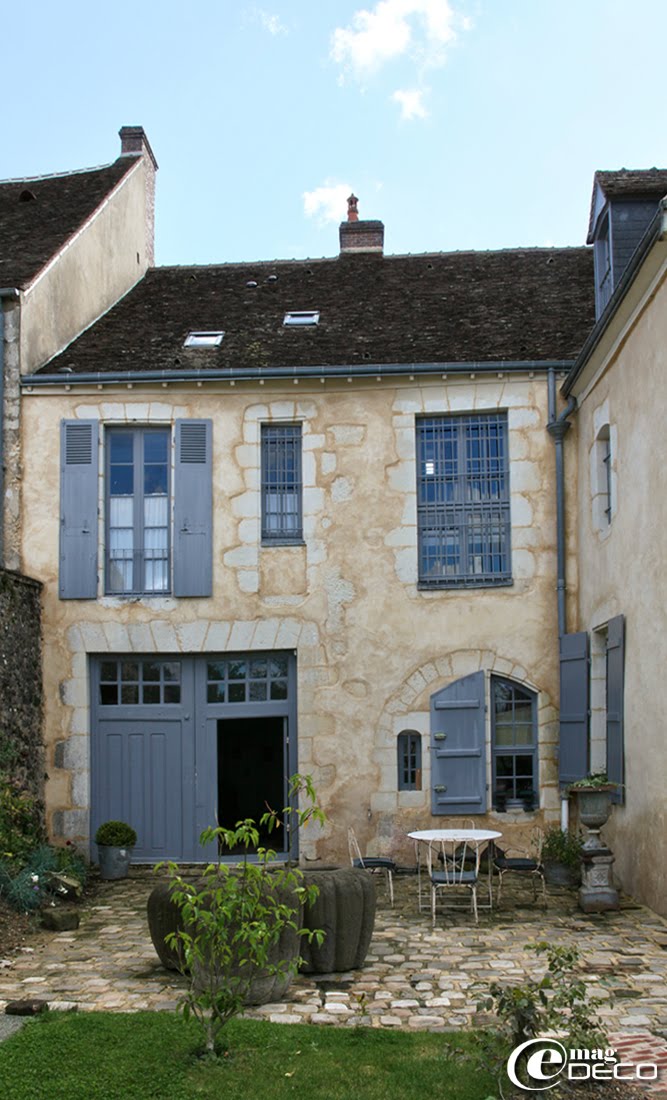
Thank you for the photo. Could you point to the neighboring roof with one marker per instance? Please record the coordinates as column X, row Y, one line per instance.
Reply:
column 514, row 305
column 628, row 183
column 33, row 229
column 641, row 270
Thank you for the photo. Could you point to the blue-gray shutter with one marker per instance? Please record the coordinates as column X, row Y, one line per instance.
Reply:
column 574, row 707
column 78, row 509
column 193, row 509
column 615, row 690
column 458, row 747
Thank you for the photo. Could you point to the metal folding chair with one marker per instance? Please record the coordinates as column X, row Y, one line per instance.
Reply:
column 523, row 861
column 382, row 864
column 459, row 872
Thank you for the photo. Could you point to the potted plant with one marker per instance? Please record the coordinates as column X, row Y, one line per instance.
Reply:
column 115, row 841
column 561, row 857
column 594, row 800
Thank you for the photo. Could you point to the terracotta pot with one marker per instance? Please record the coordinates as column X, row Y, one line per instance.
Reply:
column 345, row 910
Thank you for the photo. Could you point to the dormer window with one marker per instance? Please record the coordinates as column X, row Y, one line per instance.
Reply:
column 203, row 339
column 302, row 317
column 603, row 272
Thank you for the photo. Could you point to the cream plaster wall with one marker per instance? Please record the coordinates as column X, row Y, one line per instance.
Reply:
column 371, row 647
column 623, row 570
column 92, row 271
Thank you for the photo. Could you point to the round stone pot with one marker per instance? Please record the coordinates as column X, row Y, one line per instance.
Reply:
column 164, row 916
column 559, row 874
column 345, row 911
column 113, row 862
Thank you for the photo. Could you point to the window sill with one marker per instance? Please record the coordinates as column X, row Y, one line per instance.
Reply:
column 267, row 544
column 163, row 602
column 454, row 586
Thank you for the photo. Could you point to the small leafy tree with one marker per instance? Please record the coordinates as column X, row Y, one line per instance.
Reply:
column 557, row 1001
column 234, row 916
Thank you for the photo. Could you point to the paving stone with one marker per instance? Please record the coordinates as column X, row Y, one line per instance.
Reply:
column 414, row 972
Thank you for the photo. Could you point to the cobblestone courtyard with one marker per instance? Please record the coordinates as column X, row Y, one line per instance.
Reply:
column 415, row 976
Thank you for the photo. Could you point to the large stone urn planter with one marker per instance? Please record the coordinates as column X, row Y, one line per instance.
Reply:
column 597, row 893
column 345, row 911
column 164, row 917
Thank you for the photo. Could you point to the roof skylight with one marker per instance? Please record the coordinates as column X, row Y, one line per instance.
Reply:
column 203, row 339
column 302, row 317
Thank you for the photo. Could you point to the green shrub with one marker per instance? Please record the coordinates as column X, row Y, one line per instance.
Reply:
column 116, row 834
column 558, row 1002
column 21, row 828
column 30, row 886
column 562, row 847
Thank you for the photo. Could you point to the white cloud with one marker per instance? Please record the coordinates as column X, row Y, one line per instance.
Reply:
column 423, row 29
column 268, row 22
column 411, row 103
column 327, row 203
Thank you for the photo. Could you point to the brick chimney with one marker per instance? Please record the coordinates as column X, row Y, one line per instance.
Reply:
column 360, row 236
column 133, row 142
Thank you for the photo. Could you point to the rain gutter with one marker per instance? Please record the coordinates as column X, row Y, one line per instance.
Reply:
column 253, row 374
column 11, row 293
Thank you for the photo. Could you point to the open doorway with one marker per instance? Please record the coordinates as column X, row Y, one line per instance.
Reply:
column 251, row 773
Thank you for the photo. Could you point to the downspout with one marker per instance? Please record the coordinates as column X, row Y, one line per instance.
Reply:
column 558, row 428
column 5, row 292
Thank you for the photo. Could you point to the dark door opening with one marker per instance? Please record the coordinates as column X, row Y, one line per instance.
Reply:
column 251, row 773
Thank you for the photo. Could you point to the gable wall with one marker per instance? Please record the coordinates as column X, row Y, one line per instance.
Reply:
column 96, row 268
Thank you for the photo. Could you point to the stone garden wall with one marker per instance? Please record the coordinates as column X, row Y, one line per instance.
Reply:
column 21, row 751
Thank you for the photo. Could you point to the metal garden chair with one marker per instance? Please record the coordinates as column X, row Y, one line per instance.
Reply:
column 523, row 861
column 382, row 864
column 458, row 872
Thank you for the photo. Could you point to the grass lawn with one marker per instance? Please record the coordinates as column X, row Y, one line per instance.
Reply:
column 108, row 1056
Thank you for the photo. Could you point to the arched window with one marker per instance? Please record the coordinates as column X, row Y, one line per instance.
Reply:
column 514, row 746
column 409, row 760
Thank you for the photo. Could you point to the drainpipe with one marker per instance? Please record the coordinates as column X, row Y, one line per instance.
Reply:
column 12, row 293
column 558, row 428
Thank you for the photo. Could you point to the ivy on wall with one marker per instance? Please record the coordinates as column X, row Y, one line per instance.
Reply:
column 21, row 741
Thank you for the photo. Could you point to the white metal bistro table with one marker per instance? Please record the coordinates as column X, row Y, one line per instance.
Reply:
column 454, row 836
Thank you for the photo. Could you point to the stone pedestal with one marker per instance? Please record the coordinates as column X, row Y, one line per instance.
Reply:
column 597, row 893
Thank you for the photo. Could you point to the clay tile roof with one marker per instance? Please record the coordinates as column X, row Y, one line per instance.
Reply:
column 39, row 215
column 527, row 304
column 628, row 183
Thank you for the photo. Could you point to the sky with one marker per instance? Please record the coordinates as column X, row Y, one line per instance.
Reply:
column 461, row 124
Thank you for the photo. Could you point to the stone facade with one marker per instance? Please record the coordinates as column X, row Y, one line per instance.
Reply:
column 21, row 744
column 623, row 405
column 371, row 646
